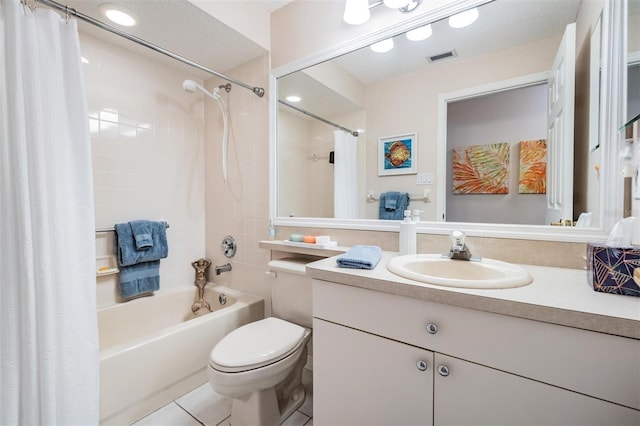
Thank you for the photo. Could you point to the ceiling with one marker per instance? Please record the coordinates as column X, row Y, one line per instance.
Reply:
column 501, row 24
column 180, row 27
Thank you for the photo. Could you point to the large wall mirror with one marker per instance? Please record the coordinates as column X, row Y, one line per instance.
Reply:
column 462, row 94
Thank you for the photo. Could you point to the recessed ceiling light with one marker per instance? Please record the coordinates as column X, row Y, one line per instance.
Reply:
column 382, row 46
column 119, row 15
column 293, row 98
column 463, row 19
column 420, row 33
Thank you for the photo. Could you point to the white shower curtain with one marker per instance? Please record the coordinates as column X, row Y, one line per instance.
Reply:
column 49, row 356
column 345, row 176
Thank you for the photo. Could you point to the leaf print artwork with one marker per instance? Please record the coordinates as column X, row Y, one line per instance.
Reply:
column 533, row 167
column 481, row 169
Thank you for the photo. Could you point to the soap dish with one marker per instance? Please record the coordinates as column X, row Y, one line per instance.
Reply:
column 106, row 265
column 311, row 245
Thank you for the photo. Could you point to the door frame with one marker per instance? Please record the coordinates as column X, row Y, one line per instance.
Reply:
column 469, row 93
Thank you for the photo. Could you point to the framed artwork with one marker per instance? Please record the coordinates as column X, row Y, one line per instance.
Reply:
column 398, row 155
column 533, row 167
column 481, row 169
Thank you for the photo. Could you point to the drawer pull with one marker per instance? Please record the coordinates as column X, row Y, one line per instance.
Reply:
column 432, row 328
column 422, row 365
column 443, row 370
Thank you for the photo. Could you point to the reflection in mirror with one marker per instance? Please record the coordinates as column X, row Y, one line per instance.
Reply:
column 384, row 95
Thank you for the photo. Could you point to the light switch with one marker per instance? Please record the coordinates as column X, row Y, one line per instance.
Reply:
column 424, row 179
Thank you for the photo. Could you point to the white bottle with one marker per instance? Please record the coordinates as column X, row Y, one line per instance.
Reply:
column 407, row 235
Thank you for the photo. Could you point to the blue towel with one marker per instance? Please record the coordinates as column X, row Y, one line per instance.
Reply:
column 140, row 278
column 360, row 257
column 392, row 205
column 140, row 269
column 127, row 252
column 142, row 231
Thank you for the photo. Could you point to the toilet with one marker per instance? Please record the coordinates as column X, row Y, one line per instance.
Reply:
column 259, row 365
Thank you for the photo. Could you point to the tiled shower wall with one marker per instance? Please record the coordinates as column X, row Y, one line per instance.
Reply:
column 148, row 154
column 240, row 207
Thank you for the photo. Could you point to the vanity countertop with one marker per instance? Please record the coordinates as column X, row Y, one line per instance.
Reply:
column 556, row 295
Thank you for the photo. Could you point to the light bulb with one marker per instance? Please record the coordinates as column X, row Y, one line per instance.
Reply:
column 396, row 4
column 382, row 46
column 356, row 12
column 463, row 19
column 420, row 33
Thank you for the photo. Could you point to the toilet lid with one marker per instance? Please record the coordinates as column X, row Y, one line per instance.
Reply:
column 257, row 343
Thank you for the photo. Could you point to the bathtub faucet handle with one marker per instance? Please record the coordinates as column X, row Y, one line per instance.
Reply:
column 222, row 268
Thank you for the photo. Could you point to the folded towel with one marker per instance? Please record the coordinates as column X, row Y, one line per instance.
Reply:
column 127, row 252
column 390, row 203
column 140, row 278
column 360, row 257
column 393, row 204
column 142, row 231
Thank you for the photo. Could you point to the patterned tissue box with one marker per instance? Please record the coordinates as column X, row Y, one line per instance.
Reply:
column 614, row 270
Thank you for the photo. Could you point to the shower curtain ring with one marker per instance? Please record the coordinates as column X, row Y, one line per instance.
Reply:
column 31, row 4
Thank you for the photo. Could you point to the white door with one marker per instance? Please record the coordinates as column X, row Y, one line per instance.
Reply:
column 560, row 134
column 360, row 379
column 470, row 394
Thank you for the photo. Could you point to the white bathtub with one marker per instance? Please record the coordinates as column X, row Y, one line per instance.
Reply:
column 153, row 349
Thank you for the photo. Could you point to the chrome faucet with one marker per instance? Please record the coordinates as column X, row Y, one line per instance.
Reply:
column 459, row 249
column 222, row 268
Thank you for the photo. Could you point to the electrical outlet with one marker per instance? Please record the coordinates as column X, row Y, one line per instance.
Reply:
column 424, row 179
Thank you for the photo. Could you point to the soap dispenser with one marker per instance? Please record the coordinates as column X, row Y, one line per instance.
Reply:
column 407, row 235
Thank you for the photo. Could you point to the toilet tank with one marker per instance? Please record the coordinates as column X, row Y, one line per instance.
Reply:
column 291, row 291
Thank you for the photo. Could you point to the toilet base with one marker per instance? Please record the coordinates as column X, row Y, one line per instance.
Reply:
column 261, row 408
column 271, row 406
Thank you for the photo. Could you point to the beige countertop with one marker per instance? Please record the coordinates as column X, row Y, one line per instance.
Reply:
column 556, row 295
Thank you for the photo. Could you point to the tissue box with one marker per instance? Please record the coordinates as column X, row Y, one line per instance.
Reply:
column 614, row 270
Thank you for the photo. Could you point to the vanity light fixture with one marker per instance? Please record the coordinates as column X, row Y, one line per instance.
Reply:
column 420, row 33
column 293, row 98
column 382, row 46
column 463, row 19
column 119, row 15
column 357, row 12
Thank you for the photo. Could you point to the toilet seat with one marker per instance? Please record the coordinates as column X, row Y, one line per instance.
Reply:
column 256, row 344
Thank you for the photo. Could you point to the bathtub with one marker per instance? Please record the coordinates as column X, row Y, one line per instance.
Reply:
column 154, row 350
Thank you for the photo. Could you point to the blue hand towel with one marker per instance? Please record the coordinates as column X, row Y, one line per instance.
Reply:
column 126, row 249
column 392, row 205
column 140, row 278
column 140, row 269
column 360, row 257
column 142, row 233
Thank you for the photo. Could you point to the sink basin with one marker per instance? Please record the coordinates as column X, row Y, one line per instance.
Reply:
column 434, row 269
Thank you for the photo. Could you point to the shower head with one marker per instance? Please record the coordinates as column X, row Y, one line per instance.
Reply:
column 189, row 86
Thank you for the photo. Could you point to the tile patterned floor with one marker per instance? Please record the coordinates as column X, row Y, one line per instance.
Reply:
column 203, row 406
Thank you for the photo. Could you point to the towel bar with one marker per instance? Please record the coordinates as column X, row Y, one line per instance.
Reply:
column 413, row 197
column 113, row 230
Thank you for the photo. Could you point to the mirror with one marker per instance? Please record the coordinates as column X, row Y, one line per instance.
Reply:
column 386, row 96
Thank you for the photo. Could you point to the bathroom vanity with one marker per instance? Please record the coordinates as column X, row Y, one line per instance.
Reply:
column 389, row 350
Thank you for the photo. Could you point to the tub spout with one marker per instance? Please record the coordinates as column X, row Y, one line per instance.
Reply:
column 223, row 268
column 201, row 266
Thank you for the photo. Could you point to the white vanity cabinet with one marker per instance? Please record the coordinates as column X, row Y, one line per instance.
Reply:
column 367, row 380
column 481, row 368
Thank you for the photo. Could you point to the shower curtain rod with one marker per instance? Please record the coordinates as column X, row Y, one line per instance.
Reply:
column 310, row 114
column 259, row 91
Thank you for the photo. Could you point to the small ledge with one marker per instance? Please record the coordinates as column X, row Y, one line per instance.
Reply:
column 278, row 245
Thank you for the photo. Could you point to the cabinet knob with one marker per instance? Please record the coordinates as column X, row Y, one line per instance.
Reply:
column 422, row 365
column 443, row 370
column 432, row 328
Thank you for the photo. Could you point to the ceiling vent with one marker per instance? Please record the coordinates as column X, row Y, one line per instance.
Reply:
column 441, row 56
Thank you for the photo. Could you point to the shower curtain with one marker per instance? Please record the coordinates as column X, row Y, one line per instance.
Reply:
column 345, row 176
column 49, row 356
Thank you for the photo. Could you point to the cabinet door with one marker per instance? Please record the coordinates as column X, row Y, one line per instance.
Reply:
column 363, row 379
column 472, row 394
